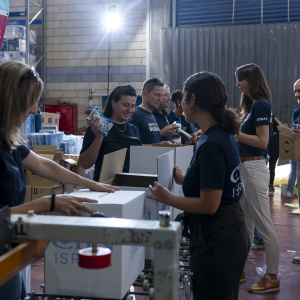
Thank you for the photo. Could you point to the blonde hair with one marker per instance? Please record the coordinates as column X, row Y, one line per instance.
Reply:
column 20, row 88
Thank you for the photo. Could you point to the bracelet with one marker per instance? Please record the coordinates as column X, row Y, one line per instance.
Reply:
column 52, row 202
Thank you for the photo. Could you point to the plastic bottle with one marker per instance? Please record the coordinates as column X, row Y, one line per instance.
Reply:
column 38, row 121
column 177, row 139
column 295, row 125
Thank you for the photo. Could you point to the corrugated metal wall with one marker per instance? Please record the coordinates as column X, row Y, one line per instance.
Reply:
column 235, row 12
column 221, row 49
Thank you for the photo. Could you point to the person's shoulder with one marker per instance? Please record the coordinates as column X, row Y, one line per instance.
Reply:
column 263, row 102
column 297, row 111
column 132, row 127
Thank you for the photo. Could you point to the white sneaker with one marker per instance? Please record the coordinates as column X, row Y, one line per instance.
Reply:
column 289, row 194
column 254, row 246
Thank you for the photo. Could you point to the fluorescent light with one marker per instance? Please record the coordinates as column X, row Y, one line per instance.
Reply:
column 112, row 21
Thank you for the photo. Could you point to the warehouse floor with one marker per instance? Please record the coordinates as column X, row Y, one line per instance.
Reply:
column 288, row 231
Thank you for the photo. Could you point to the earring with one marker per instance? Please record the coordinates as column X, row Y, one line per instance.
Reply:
column 113, row 109
column 178, row 104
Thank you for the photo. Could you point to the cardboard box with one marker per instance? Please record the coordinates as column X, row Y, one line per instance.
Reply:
column 288, row 148
column 72, row 163
column 56, row 120
column 44, row 120
column 49, row 152
column 50, row 119
column 142, row 160
column 64, row 277
column 41, row 191
column 28, row 194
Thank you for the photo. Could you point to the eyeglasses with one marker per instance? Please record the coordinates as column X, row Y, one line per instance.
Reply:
column 152, row 80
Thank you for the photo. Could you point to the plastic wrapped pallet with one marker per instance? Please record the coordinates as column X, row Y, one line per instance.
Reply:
column 4, row 45
column 30, row 124
column 36, row 139
column 15, row 32
column 14, row 56
column 74, row 144
column 16, row 45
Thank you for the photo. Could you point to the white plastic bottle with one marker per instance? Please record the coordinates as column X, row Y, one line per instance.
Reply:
column 177, row 139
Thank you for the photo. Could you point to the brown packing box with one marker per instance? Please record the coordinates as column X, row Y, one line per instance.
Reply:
column 41, row 191
column 50, row 152
column 72, row 163
column 50, row 119
column 28, row 194
column 44, row 119
column 288, row 148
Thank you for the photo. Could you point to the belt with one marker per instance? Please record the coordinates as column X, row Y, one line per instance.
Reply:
column 246, row 158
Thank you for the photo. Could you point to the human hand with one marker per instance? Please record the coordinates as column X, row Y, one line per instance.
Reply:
column 101, row 187
column 95, row 129
column 70, row 205
column 168, row 130
column 160, row 193
column 178, row 176
column 295, row 134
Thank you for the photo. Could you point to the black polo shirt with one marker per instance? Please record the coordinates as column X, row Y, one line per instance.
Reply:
column 162, row 121
column 12, row 178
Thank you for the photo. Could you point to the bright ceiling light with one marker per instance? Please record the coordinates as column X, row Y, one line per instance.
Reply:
column 112, row 21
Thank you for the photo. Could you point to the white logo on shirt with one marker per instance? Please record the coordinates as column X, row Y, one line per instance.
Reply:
column 235, row 177
column 262, row 119
column 153, row 127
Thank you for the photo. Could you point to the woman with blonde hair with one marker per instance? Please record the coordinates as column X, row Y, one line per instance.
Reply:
column 20, row 91
column 253, row 140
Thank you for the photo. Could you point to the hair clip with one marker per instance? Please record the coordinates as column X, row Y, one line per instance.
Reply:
column 34, row 74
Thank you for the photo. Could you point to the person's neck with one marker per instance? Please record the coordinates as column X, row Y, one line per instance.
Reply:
column 145, row 106
column 178, row 112
column 117, row 120
column 205, row 121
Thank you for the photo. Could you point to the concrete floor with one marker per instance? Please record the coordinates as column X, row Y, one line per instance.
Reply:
column 288, row 231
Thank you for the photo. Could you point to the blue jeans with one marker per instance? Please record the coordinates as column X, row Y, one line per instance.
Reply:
column 257, row 240
column 13, row 289
column 293, row 175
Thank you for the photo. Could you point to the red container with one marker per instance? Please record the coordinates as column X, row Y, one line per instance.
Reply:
column 68, row 121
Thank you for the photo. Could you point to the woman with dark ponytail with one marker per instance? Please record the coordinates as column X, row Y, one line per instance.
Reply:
column 254, row 136
column 118, row 107
column 219, row 243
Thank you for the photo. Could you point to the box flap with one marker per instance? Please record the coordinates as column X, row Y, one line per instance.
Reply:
column 284, row 129
column 49, row 156
column 165, row 165
column 112, row 164
column 44, row 147
column 134, row 179
column 168, row 145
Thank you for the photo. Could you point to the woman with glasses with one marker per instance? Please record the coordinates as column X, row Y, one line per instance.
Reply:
column 20, row 91
column 119, row 107
column 219, row 243
column 253, row 140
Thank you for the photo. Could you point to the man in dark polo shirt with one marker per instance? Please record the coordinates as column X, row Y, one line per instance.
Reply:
column 143, row 119
column 161, row 114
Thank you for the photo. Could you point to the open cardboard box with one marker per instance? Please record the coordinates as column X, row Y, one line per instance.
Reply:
column 49, row 152
column 72, row 163
column 143, row 160
column 288, row 148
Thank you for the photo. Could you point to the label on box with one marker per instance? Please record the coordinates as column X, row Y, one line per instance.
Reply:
column 16, row 45
column 32, row 49
column 4, row 45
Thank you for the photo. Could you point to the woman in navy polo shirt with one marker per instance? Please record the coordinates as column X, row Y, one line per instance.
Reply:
column 219, row 243
column 253, row 139
column 20, row 91
column 177, row 115
column 119, row 107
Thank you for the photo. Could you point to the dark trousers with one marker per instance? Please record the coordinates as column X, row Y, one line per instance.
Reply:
column 219, row 246
column 272, row 166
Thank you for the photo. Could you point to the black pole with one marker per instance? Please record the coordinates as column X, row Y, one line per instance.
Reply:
column 108, row 64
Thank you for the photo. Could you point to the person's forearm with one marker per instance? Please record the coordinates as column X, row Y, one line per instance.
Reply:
column 89, row 157
column 193, row 205
column 39, row 206
column 252, row 140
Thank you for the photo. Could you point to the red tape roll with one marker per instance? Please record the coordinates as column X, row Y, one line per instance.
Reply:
column 89, row 260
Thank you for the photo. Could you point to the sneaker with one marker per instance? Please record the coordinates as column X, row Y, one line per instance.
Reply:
column 265, row 285
column 254, row 246
column 243, row 278
column 296, row 260
column 289, row 194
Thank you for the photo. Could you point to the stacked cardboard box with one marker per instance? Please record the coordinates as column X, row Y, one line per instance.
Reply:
column 14, row 45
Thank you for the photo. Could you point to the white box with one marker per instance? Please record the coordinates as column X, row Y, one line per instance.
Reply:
column 15, row 32
column 64, row 277
column 27, row 278
column 14, row 56
column 16, row 45
column 142, row 160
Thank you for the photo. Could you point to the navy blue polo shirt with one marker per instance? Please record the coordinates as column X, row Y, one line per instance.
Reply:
column 12, row 178
column 162, row 122
column 185, row 126
column 215, row 165
column 118, row 138
column 296, row 115
column 147, row 125
column 259, row 114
